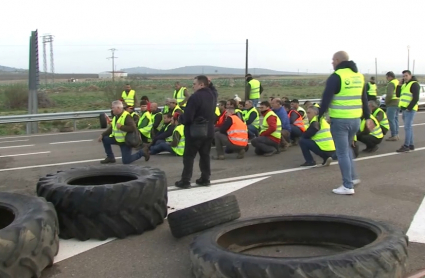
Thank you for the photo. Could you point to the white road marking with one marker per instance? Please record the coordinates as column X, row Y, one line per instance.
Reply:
column 21, row 146
column 413, row 124
column 416, row 232
column 53, row 134
column 23, row 154
column 178, row 200
column 68, row 142
column 1, row 142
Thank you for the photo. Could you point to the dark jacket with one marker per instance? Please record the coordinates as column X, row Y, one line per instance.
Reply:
column 129, row 125
column 162, row 134
column 226, row 125
column 200, row 104
column 333, row 86
column 157, row 118
column 311, row 130
column 414, row 89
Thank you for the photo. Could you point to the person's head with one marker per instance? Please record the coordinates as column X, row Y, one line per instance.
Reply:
column 270, row 99
column 295, row 104
column 285, row 99
column 307, row 104
column 143, row 105
column 390, row 75
column 177, row 86
column 231, row 103
column 276, row 103
column 241, row 104
column 372, row 80
column 222, row 105
column 167, row 101
column 154, row 106
column 117, row 107
column 127, row 88
column 230, row 112
column 338, row 58
column 172, row 103
column 248, row 77
column 312, row 111
column 199, row 82
column 372, row 105
column 129, row 109
column 248, row 104
column 167, row 118
column 407, row 75
column 287, row 106
column 264, row 106
column 145, row 98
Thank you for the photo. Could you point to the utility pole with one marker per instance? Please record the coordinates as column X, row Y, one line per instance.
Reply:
column 408, row 57
column 33, row 81
column 246, row 67
column 413, row 70
column 48, row 39
column 113, row 57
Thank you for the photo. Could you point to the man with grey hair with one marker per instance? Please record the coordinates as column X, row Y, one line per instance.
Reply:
column 166, row 108
column 122, row 123
column 380, row 115
column 391, row 103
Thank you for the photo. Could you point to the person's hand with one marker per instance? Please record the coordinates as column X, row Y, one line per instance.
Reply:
column 353, row 144
column 370, row 124
column 118, row 125
column 99, row 139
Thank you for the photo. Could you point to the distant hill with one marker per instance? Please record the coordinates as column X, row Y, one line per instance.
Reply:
column 9, row 69
column 204, row 70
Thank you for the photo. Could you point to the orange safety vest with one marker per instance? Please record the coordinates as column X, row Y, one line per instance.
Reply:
column 299, row 122
column 221, row 119
column 238, row 132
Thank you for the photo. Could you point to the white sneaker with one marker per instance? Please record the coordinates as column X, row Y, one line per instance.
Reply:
column 356, row 182
column 342, row 190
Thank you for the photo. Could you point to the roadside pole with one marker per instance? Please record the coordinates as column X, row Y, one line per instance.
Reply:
column 33, row 81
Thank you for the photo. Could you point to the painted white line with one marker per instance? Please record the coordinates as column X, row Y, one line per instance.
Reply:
column 68, row 142
column 53, row 134
column 414, row 124
column 23, row 154
column 177, row 200
column 416, row 232
column 21, row 146
column 1, row 142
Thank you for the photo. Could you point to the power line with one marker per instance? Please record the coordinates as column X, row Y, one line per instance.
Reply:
column 129, row 44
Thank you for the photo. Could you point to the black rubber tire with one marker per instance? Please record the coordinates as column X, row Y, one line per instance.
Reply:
column 203, row 216
column 28, row 235
column 133, row 200
column 102, row 120
column 380, row 250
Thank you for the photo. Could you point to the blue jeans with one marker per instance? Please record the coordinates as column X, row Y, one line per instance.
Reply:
column 252, row 131
column 392, row 114
column 343, row 131
column 127, row 157
column 308, row 145
column 255, row 102
column 408, row 129
column 161, row 146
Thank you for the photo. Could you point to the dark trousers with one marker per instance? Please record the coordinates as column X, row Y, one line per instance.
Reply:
column 296, row 132
column 369, row 140
column 384, row 130
column 263, row 145
column 308, row 145
column 127, row 157
column 161, row 146
column 221, row 141
column 191, row 148
column 252, row 131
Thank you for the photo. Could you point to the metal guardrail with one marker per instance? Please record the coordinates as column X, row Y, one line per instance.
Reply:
column 29, row 118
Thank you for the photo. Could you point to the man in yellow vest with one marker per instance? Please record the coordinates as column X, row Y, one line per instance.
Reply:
column 372, row 89
column 252, row 119
column 267, row 143
column 145, row 122
column 408, row 92
column 173, row 107
column 370, row 137
column 128, row 96
column 391, row 104
column 345, row 97
column 380, row 115
column 157, row 119
column 122, row 123
column 253, row 89
column 317, row 139
column 173, row 144
column 164, row 135
column 181, row 95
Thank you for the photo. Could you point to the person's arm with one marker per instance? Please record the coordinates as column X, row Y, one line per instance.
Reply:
column 251, row 118
column 272, row 122
column 108, row 131
column 129, row 124
column 333, row 86
column 165, row 134
column 294, row 117
column 247, row 89
column 135, row 100
column 261, row 89
column 398, row 90
column 226, row 125
column 365, row 105
column 176, row 139
column 390, row 93
column 311, row 130
column 414, row 89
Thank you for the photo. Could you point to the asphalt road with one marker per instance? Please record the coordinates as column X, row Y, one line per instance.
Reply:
column 391, row 190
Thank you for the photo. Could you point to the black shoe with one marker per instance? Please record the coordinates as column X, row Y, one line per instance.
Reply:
column 108, row 160
column 403, row 149
column 308, row 164
column 203, row 182
column 182, row 184
column 412, row 148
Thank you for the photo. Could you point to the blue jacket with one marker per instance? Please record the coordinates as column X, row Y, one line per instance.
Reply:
column 283, row 116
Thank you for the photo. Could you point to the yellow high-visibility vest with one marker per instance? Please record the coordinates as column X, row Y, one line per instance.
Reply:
column 116, row 132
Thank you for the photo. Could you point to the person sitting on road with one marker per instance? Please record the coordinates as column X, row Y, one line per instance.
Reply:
column 371, row 138
column 157, row 119
column 380, row 115
column 122, row 123
column 133, row 114
column 173, row 107
column 232, row 104
column 295, row 105
column 267, row 143
column 173, row 144
column 307, row 104
column 286, row 126
column 145, row 122
column 222, row 117
column 296, row 121
column 148, row 102
column 252, row 119
column 241, row 106
column 318, row 139
column 164, row 135
column 233, row 135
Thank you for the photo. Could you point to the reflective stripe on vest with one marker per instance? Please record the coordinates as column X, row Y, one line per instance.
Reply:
column 347, row 104
column 179, row 149
column 129, row 99
column 256, row 122
column 377, row 131
column 323, row 137
column 372, row 89
column 395, row 82
column 238, row 132
column 265, row 125
column 384, row 121
column 255, row 89
column 145, row 130
column 179, row 96
column 117, row 133
column 406, row 96
column 299, row 121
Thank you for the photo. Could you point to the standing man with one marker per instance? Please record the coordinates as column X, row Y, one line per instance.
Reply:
column 181, row 95
column 345, row 96
column 253, row 89
column 128, row 96
column 371, row 89
column 409, row 97
column 391, row 102
column 200, row 105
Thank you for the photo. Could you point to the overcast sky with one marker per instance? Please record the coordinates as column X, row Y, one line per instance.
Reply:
column 283, row 35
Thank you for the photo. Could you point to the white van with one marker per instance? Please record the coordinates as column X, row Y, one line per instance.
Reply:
column 421, row 97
